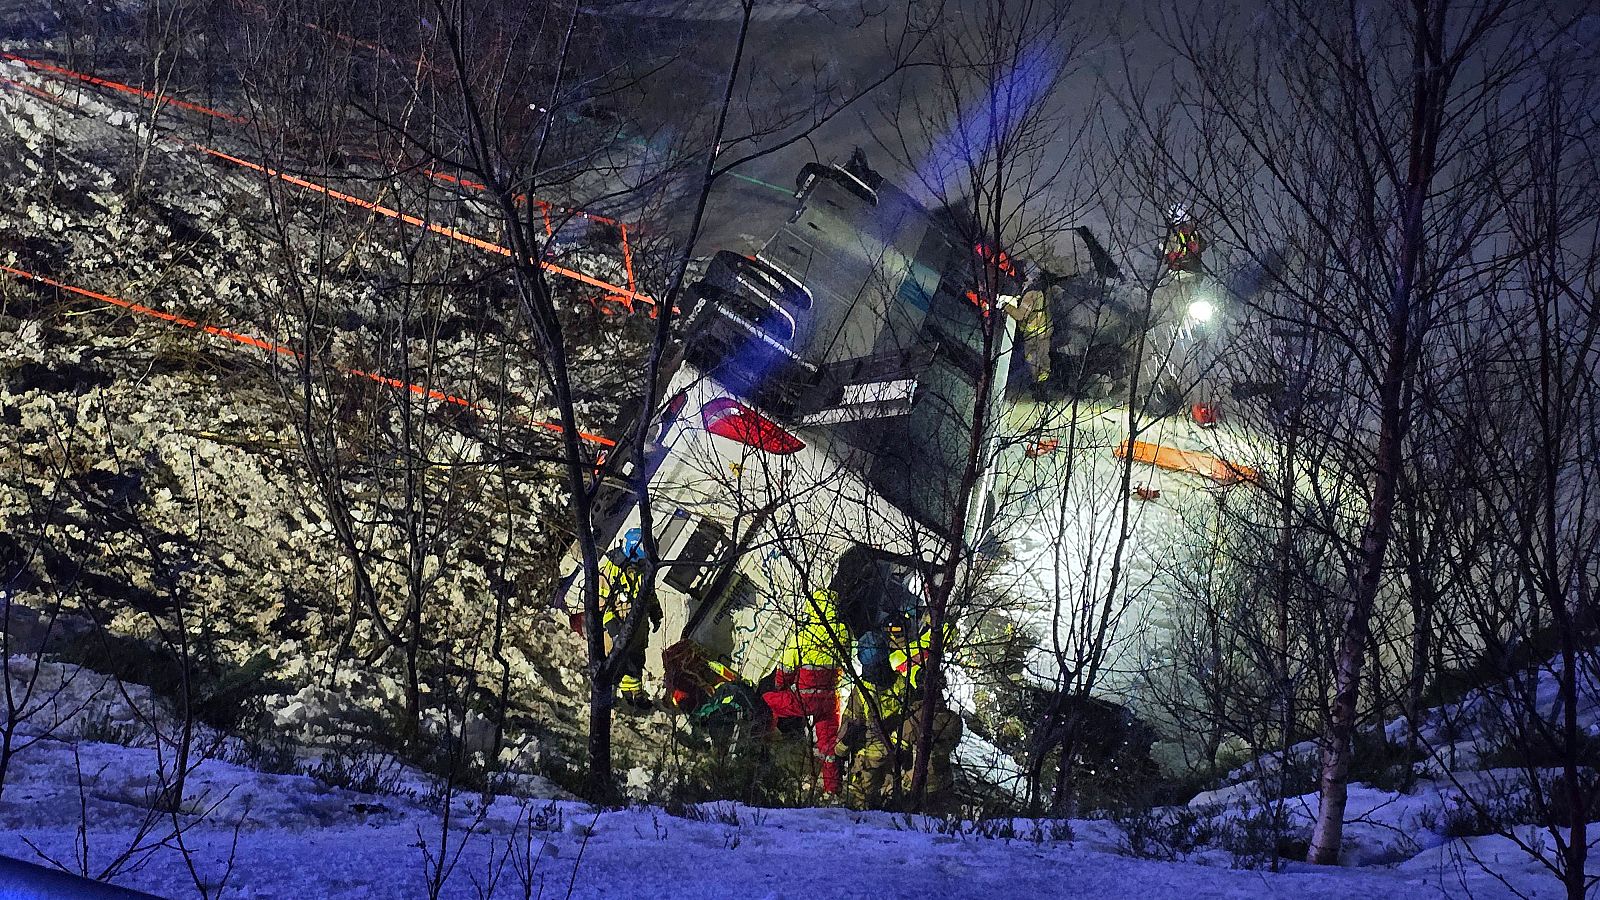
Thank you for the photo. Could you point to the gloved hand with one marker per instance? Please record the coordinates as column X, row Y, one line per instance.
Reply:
column 849, row 736
column 655, row 618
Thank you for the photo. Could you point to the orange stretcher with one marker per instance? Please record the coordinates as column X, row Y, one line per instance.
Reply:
column 1196, row 462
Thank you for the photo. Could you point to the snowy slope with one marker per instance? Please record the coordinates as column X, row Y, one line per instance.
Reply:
column 1408, row 831
column 186, row 426
column 297, row 838
column 84, row 804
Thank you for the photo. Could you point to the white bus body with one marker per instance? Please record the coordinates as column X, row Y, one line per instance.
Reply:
column 813, row 434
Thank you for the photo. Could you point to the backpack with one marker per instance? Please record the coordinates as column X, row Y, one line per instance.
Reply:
column 872, row 652
column 732, row 703
column 692, row 674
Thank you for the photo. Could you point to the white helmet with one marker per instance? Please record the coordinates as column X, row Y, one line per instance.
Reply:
column 1177, row 212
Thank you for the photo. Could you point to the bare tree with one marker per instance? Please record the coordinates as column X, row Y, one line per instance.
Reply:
column 982, row 138
column 166, row 29
column 1533, row 480
column 1380, row 167
column 362, row 443
column 32, row 611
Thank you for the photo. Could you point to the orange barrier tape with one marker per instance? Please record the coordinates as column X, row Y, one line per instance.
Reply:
column 272, row 347
column 124, row 88
column 545, row 208
column 625, row 296
column 627, row 256
column 217, row 113
column 489, row 246
column 142, row 310
column 1194, row 461
column 37, row 92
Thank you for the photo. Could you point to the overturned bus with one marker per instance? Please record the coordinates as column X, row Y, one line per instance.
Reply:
column 814, row 432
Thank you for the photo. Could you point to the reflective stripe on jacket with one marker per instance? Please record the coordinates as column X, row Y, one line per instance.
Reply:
column 908, row 662
column 807, row 681
column 619, row 587
column 821, row 639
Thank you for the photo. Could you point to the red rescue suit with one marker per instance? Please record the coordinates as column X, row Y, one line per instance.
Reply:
column 811, row 692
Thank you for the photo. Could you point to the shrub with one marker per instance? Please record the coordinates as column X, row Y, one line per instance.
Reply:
column 548, row 817
column 998, row 828
column 1381, row 764
column 1168, row 833
column 102, row 730
column 1259, row 837
column 1541, row 749
column 722, row 813
column 1468, row 820
column 264, row 750
column 740, row 767
column 1518, row 805
column 359, row 767
column 221, row 694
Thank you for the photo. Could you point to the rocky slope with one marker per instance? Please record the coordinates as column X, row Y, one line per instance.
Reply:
column 152, row 473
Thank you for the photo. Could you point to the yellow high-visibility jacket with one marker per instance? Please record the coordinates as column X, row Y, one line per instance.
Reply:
column 908, row 662
column 821, row 640
column 874, row 715
column 619, row 587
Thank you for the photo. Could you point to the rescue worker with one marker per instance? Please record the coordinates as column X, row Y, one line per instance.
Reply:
column 857, row 166
column 691, row 674
column 938, row 796
column 908, row 660
column 869, row 737
column 1036, row 329
column 938, row 792
column 806, row 683
column 1184, row 243
column 621, row 584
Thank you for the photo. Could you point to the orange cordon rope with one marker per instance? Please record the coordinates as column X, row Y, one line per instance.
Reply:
column 124, row 88
column 280, row 349
column 626, row 296
column 545, row 208
column 435, row 227
column 37, row 92
column 142, row 310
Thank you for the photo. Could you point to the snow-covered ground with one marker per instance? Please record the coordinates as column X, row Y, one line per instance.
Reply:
column 296, row 837
column 85, row 805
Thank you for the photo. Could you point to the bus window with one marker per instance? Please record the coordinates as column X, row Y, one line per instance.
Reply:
column 694, row 566
column 667, row 532
column 714, row 631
